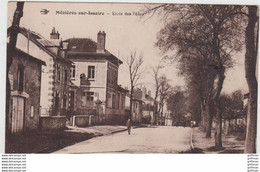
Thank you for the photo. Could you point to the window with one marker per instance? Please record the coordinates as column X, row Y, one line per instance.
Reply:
column 122, row 101
column 62, row 74
column 109, row 100
column 114, row 101
column 58, row 73
column 115, row 77
column 32, row 112
column 108, row 73
column 90, row 96
column 118, row 101
column 73, row 71
column 65, row 102
column 91, row 72
column 20, row 78
column 66, row 77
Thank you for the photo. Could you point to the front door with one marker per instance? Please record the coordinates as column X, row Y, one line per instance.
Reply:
column 17, row 115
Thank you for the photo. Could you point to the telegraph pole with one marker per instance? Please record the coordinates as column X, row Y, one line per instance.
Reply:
column 14, row 29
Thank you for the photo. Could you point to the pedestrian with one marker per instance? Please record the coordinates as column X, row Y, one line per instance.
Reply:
column 128, row 124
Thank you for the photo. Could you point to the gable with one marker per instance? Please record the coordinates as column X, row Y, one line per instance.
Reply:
column 32, row 49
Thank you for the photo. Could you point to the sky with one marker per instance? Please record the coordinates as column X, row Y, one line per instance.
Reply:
column 124, row 34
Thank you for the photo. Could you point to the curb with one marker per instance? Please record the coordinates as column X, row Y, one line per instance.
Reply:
column 118, row 131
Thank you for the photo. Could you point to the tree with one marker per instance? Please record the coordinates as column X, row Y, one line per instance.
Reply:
column 176, row 102
column 251, row 39
column 231, row 105
column 163, row 92
column 210, row 33
column 155, row 75
column 14, row 29
column 133, row 63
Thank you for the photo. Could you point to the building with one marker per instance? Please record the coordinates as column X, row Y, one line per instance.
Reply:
column 148, row 106
column 25, row 85
column 137, row 106
column 94, row 77
column 55, row 80
column 168, row 119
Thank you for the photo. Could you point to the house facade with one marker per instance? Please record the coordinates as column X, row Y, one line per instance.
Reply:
column 25, row 85
column 55, row 80
column 148, row 106
column 137, row 106
column 94, row 77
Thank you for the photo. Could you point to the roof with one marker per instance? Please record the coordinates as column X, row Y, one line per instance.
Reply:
column 40, row 41
column 87, row 47
column 137, row 94
column 26, row 55
column 120, row 88
column 148, row 97
column 81, row 45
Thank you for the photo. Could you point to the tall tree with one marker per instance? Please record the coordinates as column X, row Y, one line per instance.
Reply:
column 133, row 63
column 163, row 93
column 176, row 102
column 251, row 39
column 14, row 29
column 155, row 75
column 210, row 33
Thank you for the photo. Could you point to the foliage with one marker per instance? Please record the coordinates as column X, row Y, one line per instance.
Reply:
column 176, row 103
column 232, row 105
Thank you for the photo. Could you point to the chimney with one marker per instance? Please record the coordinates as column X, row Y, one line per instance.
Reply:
column 143, row 92
column 101, row 41
column 65, row 45
column 63, row 49
column 54, row 34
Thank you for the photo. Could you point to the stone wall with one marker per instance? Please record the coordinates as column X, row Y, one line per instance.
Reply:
column 81, row 120
column 88, row 120
column 31, row 87
column 53, row 122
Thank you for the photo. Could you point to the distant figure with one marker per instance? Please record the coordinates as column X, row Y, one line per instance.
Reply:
column 128, row 123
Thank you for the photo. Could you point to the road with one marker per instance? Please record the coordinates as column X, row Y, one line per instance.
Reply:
column 160, row 139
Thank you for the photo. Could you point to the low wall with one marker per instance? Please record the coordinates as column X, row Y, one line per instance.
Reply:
column 81, row 120
column 52, row 122
column 88, row 120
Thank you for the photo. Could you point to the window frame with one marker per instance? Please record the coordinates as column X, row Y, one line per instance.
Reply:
column 91, row 72
column 20, row 78
column 73, row 71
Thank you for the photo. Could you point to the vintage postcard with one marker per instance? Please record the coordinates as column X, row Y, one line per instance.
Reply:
column 131, row 78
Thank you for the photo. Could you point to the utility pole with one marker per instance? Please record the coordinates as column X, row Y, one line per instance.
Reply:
column 14, row 29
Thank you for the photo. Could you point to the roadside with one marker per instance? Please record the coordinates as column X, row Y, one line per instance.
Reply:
column 50, row 141
column 200, row 144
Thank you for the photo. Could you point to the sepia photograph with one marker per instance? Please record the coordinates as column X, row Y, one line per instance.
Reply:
column 131, row 78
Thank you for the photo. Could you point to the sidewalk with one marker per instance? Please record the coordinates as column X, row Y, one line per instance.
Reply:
column 50, row 141
column 99, row 130
column 201, row 144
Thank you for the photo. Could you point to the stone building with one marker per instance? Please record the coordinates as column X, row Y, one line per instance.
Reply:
column 94, row 76
column 55, row 80
column 25, row 85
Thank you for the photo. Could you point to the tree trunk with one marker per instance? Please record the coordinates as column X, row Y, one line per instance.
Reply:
column 203, row 117
column 250, row 69
column 208, row 121
column 10, row 53
column 218, row 131
column 131, row 102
